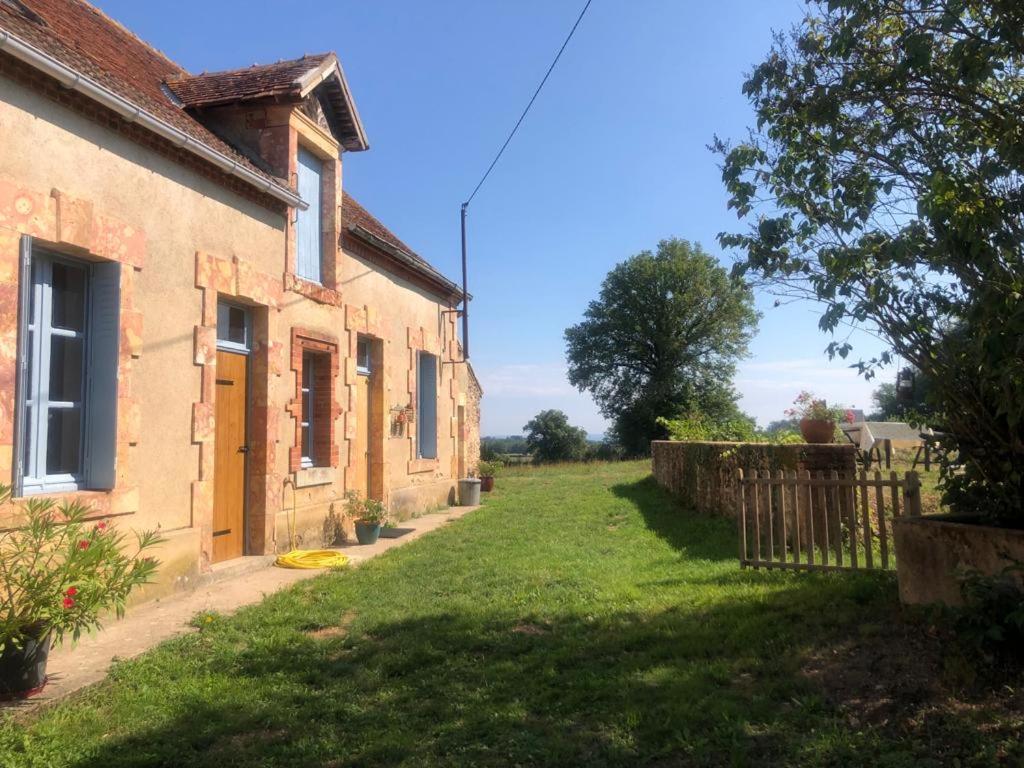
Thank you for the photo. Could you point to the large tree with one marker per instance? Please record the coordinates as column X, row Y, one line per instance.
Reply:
column 662, row 340
column 885, row 180
column 550, row 437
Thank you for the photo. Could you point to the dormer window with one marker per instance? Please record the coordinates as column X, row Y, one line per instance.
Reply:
column 309, row 230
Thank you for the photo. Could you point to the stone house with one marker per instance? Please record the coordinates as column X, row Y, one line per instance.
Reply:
column 199, row 330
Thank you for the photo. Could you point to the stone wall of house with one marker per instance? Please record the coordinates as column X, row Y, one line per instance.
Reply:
column 474, row 395
column 703, row 475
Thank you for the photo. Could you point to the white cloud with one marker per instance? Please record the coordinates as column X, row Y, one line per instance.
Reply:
column 768, row 387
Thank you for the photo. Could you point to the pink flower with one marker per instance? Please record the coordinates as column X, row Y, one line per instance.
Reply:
column 68, row 602
column 71, row 591
column 83, row 544
column 849, row 417
column 101, row 526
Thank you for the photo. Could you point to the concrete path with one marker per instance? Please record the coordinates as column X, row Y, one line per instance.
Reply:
column 230, row 586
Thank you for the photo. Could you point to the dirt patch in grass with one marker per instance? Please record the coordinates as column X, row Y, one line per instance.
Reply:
column 906, row 677
column 531, row 628
column 335, row 630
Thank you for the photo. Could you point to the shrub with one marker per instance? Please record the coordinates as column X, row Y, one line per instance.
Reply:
column 699, row 427
column 992, row 618
column 60, row 571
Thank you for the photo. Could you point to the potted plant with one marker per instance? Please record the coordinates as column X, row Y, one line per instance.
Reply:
column 817, row 420
column 369, row 515
column 487, row 470
column 59, row 572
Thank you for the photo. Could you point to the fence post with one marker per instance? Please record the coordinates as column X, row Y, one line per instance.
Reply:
column 742, row 516
column 912, row 494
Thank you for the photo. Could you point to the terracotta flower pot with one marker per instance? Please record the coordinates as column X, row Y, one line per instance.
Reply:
column 23, row 670
column 818, row 430
column 486, row 483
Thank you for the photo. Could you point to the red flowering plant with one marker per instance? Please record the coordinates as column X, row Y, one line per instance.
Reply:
column 807, row 406
column 60, row 571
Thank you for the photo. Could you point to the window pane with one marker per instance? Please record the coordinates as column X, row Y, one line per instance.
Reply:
column 231, row 322
column 363, row 355
column 66, row 368
column 29, row 411
column 63, row 441
column 68, row 297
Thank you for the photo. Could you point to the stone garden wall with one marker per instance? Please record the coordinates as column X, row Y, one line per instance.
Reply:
column 703, row 475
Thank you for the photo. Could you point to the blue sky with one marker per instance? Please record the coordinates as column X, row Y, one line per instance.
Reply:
column 612, row 158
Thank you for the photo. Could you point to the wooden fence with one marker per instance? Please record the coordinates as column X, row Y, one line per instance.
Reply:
column 822, row 521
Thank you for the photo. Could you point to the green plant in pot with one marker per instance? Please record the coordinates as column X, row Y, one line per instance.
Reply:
column 818, row 420
column 60, row 572
column 368, row 515
column 487, row 471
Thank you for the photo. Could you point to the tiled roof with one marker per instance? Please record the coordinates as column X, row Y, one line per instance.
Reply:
column 86, row 40
column 354, row 215
column 255, row 82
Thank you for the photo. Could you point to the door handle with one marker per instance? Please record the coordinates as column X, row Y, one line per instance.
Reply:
column 243, row 449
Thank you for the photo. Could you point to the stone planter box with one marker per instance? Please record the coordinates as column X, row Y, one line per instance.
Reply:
column 929, row 550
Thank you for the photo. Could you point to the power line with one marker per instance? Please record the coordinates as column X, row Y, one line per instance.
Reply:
column 530, row 104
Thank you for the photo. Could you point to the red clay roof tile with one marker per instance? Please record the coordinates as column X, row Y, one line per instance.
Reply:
column 88, row 41
column 255, row 82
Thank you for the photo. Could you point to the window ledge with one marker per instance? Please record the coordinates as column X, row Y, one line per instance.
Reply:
column 423, row 465
column 315, row 291
column 306, row 478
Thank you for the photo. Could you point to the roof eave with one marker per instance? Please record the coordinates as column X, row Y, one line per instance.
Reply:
column 358, row 142
column 76, row 81
column 450, row 289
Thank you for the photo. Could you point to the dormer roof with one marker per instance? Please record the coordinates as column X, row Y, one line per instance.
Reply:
column 282, row 82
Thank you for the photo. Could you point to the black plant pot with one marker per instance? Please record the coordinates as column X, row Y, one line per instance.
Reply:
column 23, row 670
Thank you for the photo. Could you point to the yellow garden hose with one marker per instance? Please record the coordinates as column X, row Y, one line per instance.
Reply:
column 306, row 558
column 311, row 558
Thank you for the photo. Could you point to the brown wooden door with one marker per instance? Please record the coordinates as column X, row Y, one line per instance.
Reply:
column 229, row 456
column 361, row 481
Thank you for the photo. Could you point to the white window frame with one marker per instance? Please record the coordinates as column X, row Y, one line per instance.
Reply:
column 39, row 333
column 363, row 351
column 223, row 323
column 308, row 390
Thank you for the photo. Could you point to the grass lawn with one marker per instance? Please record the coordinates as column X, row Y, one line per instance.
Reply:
column 579, row 618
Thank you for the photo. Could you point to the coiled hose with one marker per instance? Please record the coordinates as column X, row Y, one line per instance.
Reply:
column 307, row 558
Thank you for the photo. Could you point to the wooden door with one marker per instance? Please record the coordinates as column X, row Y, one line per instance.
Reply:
column 230, row 453
column 361, row 482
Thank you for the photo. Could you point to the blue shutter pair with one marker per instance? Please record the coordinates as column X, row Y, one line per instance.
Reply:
column 40, row 382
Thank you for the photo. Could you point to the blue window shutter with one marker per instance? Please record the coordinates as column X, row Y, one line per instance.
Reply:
column 21, row 381
column 308, row 224
column 426, row 423
column 101, row 395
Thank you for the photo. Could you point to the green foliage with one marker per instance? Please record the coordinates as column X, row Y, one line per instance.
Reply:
column 807, row 406
column 582, row 595
column 494, row 447
column 60, row 571
column 662, row 339
column 886, row 180
column 490, row 468
column 699, row 427
column 784, row 437
column 550, row 437
column 992, row 617
column 365, row 510
column 912, row 406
